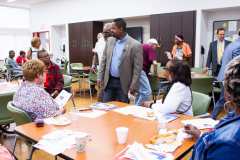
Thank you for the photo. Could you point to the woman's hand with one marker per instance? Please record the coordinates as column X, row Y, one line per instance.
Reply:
column 192, row 130
column 63, row 110
column 55, row 93
column 146, row 103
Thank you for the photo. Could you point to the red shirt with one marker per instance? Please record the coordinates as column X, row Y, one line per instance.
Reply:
column 46, row 84
column 148, row 57
column 19, row 59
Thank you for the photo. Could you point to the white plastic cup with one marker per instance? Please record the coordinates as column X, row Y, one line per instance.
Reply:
column 74, row 113
column 162, row 126
column 122, row 134
column 80, row 139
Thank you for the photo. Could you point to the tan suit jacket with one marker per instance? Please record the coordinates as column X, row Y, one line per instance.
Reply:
column 130, row 66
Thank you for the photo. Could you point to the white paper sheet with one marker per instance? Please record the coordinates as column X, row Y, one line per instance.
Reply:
column 132, row 110
column 232, row 26
column 235, row 36
column 63, row 98
column 12, row 85
column 93, row 114
column 227, row 37
column 201, row 123
column 169, row 55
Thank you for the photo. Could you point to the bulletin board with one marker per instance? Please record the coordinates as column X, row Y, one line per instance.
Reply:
column 232, row 28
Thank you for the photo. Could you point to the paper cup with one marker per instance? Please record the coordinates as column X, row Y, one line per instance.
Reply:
column 74, row 113
column 162, row 126
column 122, row 134
column 80, row 139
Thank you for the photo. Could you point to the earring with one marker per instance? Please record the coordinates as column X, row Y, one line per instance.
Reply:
column 227, row 109
column 169, row 77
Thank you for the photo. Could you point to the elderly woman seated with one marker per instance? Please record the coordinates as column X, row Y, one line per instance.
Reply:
column 178, row 96
column 31, row 97
column 54, row 79
column 223, row 141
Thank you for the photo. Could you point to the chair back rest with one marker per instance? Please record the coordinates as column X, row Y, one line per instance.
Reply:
column 198, row 70
column 4, row 99
column 72, row 65
column 20, row 117
column 161, row 70
column 154, row 82
column 66, row 65
column 202, row 84
column 200, row 103
column 64, row 72
column 67, row 82
column 93, row 76
column 158, row 68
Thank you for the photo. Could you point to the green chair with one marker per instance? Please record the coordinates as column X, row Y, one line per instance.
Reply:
column 64, row 72
column 200, row 105
column 92, row 80
column 78, row 74
column 199, row 70
column 158, row 68
column 20, row 117
column 203, row 85
column 154, row 84
column 11, row 76
column 67, row 85
column 5, row 116
column 66, row 65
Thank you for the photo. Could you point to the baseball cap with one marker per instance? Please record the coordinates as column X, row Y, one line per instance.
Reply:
column 154, row 41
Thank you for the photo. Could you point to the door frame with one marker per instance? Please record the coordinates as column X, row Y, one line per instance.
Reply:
column 39, row 36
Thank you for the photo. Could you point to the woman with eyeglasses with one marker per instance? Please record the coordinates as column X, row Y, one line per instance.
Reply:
column 181, row 50
column 54, row 79
column 178, row 96
column 31, row 97
column 223, row 141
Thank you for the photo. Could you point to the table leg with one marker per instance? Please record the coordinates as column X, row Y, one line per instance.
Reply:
column 79, row 83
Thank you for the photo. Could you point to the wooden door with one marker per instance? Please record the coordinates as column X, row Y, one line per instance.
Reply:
column 77, row 33
column 90, row 37
column 83, row 32
column 89, row 54
column 71, row 31
column 154, row 32
column 82, row 54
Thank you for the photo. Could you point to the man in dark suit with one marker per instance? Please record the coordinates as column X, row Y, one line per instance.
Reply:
column 215, row 52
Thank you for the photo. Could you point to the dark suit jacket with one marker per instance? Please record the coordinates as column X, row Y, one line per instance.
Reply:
column 212, row 55
column 130, row 66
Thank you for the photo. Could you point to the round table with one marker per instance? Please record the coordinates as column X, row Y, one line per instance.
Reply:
column 160, row 75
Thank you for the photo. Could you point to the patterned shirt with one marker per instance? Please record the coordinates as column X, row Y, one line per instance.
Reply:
column 34, row 100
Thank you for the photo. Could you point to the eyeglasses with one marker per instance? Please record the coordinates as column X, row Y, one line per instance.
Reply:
column 105, row 32
column 166, row 68
column 44, row 56
column 45, row 72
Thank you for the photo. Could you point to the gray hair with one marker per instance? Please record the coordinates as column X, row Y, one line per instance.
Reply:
column 99, row 35
column 39, row 52
column 232, row 79
column 107, row 25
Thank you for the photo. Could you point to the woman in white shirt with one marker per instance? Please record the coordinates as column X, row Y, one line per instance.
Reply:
column 178, row 96
column 32, row 52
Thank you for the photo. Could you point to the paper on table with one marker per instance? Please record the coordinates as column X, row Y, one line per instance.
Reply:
column 201, row 123
column 12, row 85
column 133, row 110
column 144, row 115
column 3, row 83
column 169, row 55
column 93, row 114
column 49, row 120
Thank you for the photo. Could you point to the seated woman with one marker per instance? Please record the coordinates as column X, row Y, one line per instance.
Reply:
column 178, row 96
column 223, row 141
column 54, row 79
column 31, row 97
column 181, row 47
column 21, row 58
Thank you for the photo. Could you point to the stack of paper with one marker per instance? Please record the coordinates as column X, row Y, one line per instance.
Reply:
column 136, row 151
column 201, row 123
column 92, row 114
column 57, row 142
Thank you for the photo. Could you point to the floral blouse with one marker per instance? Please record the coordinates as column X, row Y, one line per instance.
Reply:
column 34, row 100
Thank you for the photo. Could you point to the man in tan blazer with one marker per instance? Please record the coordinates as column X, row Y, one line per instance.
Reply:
column 121, row 65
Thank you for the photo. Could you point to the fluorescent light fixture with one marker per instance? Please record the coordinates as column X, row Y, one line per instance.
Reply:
column 11, row 0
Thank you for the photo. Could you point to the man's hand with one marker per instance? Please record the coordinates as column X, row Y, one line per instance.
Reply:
column 205, row 69
column 132, row 91
column 193, row 131
column 63, row 110
column 146, row 103
column 93, row 69
column 155, row 75
column 55, row 93
column 99, row 84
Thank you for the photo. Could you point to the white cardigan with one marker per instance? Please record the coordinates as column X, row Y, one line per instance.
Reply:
column 178, row 100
